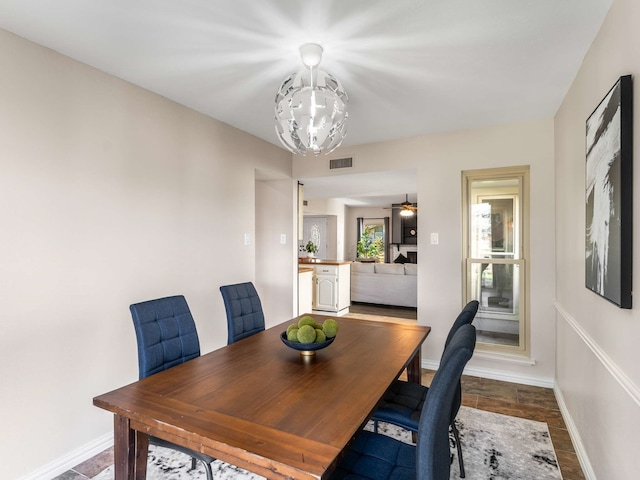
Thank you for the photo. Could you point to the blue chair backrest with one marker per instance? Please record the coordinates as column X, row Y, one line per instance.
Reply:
column 166, row 334
column 433, row 455
column 244, row 311
column 466, row 316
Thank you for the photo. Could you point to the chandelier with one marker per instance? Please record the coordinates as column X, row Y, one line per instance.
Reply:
column 311, row 107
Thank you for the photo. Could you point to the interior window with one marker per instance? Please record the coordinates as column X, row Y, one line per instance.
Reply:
column 495, row 242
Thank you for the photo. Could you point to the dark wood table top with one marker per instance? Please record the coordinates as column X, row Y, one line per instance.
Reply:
column 260, row 405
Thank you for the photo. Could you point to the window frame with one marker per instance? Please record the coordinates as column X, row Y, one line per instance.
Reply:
column 520, row 256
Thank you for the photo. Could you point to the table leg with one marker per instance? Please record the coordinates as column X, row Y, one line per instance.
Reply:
column 130, row 449
column 142, row 449
column 123, row 448
column 414, row 369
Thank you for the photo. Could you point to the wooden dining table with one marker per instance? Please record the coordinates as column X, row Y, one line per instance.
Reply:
column 263, row 406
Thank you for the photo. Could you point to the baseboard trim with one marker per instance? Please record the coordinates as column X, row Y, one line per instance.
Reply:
column 616, row 372
column 576, row 439
column 498, row 375
column 70, row 460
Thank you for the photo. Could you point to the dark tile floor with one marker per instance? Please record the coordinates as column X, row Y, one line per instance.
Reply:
column 524, row 401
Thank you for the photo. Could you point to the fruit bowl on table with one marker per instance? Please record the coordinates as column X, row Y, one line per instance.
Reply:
column 306, row 348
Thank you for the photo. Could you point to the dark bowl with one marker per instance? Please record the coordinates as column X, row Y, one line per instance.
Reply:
column 305, row 348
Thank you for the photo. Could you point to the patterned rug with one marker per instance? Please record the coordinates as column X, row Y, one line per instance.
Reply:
column 494, row 447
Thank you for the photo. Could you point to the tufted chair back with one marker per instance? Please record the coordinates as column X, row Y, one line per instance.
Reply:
column 166, row 334
column 244, row 311
column 433, row 455
column 466, row 316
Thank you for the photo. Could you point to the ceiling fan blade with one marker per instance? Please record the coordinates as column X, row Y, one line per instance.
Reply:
column 406, row 207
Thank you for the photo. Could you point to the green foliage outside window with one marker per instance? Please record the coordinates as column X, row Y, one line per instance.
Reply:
column 370, row 245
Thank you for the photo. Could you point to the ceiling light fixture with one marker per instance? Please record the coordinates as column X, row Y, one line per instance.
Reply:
column 311, row 107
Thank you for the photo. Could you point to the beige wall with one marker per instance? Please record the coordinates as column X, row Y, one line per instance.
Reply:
column 111, row 195
column 597, row 372
column 439, row 161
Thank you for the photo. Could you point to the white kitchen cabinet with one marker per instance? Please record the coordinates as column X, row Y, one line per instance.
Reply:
column 332, row 288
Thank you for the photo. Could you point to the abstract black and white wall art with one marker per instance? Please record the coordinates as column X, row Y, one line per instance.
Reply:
column 609, row 195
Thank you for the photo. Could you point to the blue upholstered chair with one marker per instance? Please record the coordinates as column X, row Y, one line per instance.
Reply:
column 402, row 404
column 167, row 336
column 244, row 311
column 373, row 456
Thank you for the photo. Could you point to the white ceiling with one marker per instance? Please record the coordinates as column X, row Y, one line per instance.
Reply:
column 410, row 67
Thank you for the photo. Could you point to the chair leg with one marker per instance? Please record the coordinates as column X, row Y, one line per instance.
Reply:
column 454, row 429
column 193, row 463
column 375, row 426
column 207, row 468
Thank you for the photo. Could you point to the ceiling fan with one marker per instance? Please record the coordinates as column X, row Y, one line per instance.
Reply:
column 407, row 208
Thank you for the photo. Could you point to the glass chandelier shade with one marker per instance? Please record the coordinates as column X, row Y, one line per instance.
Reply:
column 311, row 110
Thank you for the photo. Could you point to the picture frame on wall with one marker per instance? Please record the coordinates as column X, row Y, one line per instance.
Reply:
column 609, row 195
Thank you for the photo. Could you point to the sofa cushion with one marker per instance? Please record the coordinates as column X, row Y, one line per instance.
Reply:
column 358, row 267
column 389, row 268
column 378, row 288
column 411, row 269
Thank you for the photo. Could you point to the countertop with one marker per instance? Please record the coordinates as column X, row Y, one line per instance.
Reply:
column 317, row 261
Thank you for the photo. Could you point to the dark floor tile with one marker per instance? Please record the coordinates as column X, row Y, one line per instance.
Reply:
column 95, row 465
column 427, row 376
column 544, row 398
column 469, row 382
column 70, row 475
column 551, row 417
column 492, row 389
column 533, row 388
column 569, row 466
column 561, row 439
column 469, row 400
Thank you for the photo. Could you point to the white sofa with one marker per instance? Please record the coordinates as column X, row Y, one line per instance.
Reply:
column 393, row 284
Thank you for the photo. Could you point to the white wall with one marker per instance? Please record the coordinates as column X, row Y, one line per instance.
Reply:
column 598, row 360
column 109, row 195
column 439, row 160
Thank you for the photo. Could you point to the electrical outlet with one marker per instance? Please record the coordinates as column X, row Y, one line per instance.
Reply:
column 434, row 239
column 247, row 239
column 283, row 238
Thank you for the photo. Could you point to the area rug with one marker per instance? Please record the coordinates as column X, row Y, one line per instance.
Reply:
column 494, row 447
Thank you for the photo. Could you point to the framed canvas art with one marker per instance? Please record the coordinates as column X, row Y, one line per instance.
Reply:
column 609, row 195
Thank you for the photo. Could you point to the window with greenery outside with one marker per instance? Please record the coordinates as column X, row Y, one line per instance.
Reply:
column 371, row 244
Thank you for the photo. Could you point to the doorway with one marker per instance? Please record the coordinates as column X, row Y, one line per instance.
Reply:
column 318, row 230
